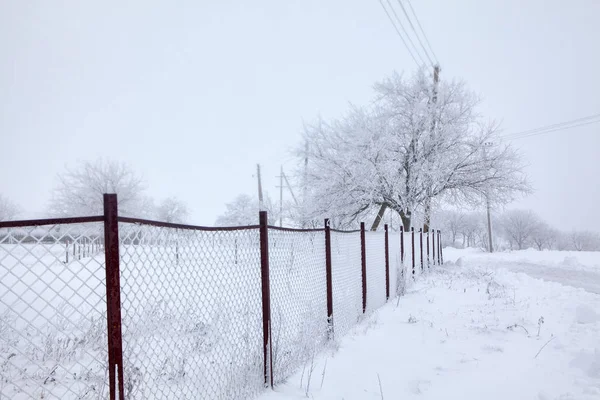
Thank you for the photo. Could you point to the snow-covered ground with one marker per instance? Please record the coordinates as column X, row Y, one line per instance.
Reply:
column 573, row 268
column 482, row 326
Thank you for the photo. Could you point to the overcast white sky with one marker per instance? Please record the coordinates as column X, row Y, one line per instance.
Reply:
column 194, row 93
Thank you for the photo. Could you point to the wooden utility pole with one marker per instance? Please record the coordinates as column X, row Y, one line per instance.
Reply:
column 260, row 193
column 287, row 183
column 436, row 80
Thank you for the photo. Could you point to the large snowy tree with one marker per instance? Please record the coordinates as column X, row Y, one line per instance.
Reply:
column 413, row 143
column 79, row 190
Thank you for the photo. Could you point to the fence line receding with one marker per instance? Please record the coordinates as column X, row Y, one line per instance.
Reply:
column 122, row 308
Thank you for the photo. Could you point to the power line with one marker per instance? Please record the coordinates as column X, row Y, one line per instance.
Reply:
column 554, row 127
column 422, row 31
column 398, row 32
column 405, row 32
column 415, row 31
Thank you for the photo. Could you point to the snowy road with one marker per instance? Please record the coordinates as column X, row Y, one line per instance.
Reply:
column 574, row 269
column 587, row 280
column 471, row 331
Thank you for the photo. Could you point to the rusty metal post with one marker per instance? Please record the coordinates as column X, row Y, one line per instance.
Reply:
column 433, row 247
column 402, row 246
column 439, row 247
column 428, row 262
column 266, row 299
column 113, row 298
column 412, row 232
column 387, row 263
column 421, row 246
column 329, row 277
column 363, row 258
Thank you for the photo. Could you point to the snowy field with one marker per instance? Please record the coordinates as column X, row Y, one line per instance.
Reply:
column 520, row 325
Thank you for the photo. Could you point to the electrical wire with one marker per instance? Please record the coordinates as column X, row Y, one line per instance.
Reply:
column 554, row 127
column 405, row 32
column 415, row 31
column 398, row 32
column 422, row 31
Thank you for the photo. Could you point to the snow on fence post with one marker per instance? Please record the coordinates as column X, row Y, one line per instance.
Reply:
column 412, row 235
column 113, row 297
column 440, row 259
column 421, row 246
column 329, row 277
column 363, row 258
column 387, row 263
column 266, row 299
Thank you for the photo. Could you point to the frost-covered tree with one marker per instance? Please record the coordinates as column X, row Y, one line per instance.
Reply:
column 8, row 209
column 585, row 241
column 243, row 210
column 519, row 227
column 452, row 223
column 473, row 230
column 402, row 151
column 172, row 210
column 79, row 190
column 544, row 236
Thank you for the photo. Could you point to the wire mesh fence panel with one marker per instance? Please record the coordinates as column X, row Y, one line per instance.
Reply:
column 375, row 252
column 192, row 313
column 53, row 312
column 397, row 267
column 346, row 281
column 298, row 298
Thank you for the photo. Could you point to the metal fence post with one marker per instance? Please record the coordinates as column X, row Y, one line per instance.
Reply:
column 433, row 247
column 402, row 246
column 412, row 233
column 363, row 257
column 329, row 277
column 401, row 256
column 266, row 298
column 113, row 297
column 387, row 263
column 440, row 259
column 421, row 246
column 428, row 262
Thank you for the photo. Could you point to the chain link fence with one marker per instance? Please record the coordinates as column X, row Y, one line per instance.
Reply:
column 298, row 298
column 347, row 280
column 376, row 270
column 52, row 312
column 112, row 307
column 191, row 310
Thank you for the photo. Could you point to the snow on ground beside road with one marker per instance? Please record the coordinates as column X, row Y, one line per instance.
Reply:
column 572, row 268
column 466, row 331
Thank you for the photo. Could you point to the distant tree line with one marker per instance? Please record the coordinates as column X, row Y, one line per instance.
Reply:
column 512, row 230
